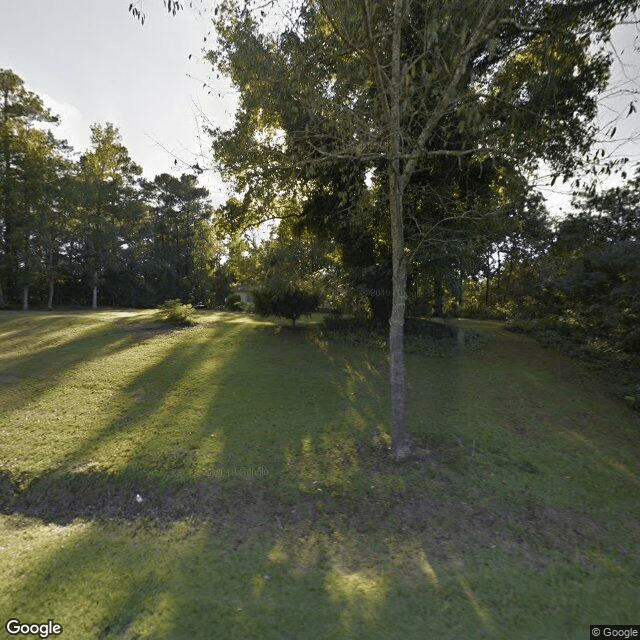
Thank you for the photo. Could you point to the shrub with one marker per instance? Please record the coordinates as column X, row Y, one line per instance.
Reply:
column 175, row 312
column 285, row 302
column 233, row 302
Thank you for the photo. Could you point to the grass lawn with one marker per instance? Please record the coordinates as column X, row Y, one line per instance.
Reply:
column 232, row 480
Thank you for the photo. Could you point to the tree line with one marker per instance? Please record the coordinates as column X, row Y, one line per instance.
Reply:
column 83, row 229
column 578, row 276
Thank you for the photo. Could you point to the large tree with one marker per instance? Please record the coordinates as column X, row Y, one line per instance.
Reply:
column 391, row 85
column 42, row 223
column 20, row 112
column 69, row 223
column 593, row 268
column 177, row 239
column 106, row 197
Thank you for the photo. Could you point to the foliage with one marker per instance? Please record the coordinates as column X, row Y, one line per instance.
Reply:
column 105, row 202
column 387, row 89
column 177, row 241
column 589, row 277
column 175, row 312
column 29, row 163
column 285, row 300
column 71, row 229
column 576, row 287
column 290, row 271
column 233, row 302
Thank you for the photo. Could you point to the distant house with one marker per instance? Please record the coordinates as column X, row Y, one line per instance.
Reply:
column 244, row 291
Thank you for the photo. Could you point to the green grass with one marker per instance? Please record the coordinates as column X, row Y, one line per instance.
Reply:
column 270, row 506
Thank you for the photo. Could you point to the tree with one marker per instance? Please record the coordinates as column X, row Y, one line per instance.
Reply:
column 20, row 111
column 106, row 188
column 285, row 300
column 387, row 84
column 65, row 222
column 178, row 237
column 172, row 6
column 593, row 268
column 43, row 223
column 293, row 266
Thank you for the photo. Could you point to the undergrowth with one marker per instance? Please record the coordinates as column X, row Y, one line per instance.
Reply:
column 621, row 368
column 421, row 336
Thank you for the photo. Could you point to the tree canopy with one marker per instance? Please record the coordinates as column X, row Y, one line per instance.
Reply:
column 73, row 227
column 385, row 89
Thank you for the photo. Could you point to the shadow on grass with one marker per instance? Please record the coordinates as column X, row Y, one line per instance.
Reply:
column 269, row 508
column 49, row 346
column 240, row 583
column 243, row 406
column 216, row 407
column 232, row 561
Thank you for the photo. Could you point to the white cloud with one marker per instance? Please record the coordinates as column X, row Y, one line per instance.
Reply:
column 73, row 125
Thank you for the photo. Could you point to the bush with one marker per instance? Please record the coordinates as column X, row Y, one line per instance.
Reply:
column 285, row 302
column 233, row 302
column 175, row 312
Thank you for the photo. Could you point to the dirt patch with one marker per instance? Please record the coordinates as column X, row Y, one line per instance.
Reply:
column 142, row 332
column 147, row 333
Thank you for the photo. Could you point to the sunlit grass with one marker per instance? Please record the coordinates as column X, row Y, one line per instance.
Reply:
column 232, row 480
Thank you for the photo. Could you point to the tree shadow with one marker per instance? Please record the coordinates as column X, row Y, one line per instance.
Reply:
column 242, row 572
column 211, row 409
column 50, row 350
column 268, row 506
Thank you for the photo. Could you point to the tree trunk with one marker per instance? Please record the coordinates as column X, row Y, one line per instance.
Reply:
column 50, row 301
column 94, row 296
column 400, row 443
column 25, row 298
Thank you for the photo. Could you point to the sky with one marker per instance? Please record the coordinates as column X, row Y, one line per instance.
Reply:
column 613, row 110
column 92, row 61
